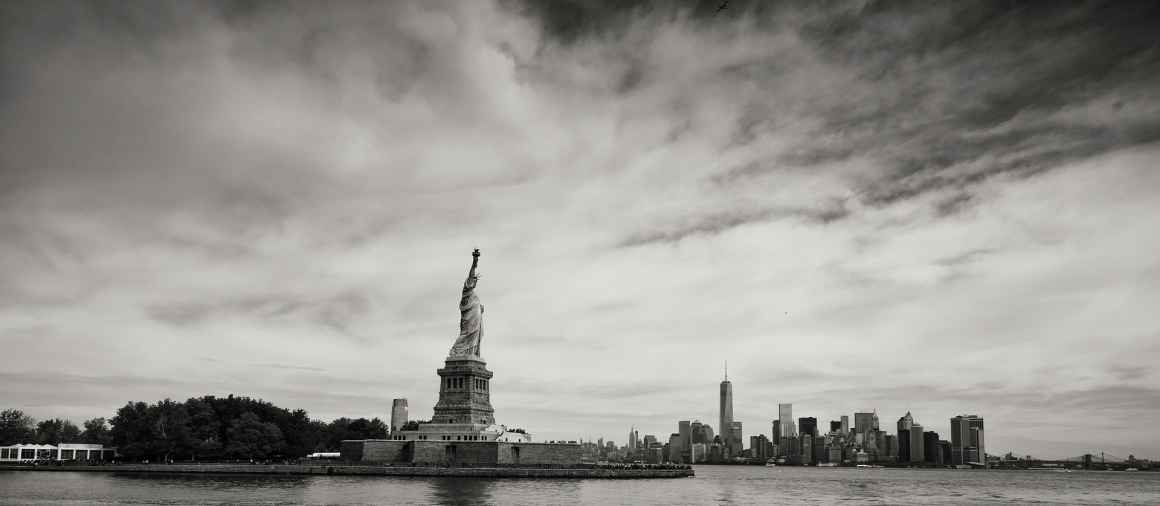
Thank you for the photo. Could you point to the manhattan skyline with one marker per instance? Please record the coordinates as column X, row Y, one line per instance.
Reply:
column 937, row 209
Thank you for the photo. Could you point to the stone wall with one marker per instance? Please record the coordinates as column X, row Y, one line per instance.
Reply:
column 352, row 450
column 383, row 451
column 461, row 453
column 539, row 454
column 455, row 453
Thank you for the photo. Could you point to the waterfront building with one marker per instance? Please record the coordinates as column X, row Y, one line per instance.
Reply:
column 59, row 452
column 875, row 444
column 654, row 455
column 676, row 450
column 716, row 452
column 944, row 448
column 735, row 441
column 931, row 450
column 808, row 426
column 819, row 447
column 904, row 425
column 916, row 444
column 861, row 457
column 807, row 449
column 835, row 454
column 698, row 453
column 889, row 448
column 977, row 442
column 793, row 450
column 685, row 429
column 398, row 414
column 725, row 413
column 759, row 447
column 964, row 439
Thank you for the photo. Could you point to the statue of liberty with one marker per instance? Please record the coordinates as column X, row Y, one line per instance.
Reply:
column 470, row 315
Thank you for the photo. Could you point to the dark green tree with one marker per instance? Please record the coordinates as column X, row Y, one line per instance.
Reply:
column 56, row 431
column 170, row 436
column 96, row 431
column 16, row 427
column 205, row 429
column 132, row 431
column 251, row 438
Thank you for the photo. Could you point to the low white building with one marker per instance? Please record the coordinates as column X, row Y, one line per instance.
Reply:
column 63, row 451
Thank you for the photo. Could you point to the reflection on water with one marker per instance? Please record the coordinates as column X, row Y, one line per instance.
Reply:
column 712, row 485
column 462, row 491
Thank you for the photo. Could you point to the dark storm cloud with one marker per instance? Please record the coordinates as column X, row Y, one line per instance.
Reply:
column 1016, row 66
column 960, row 93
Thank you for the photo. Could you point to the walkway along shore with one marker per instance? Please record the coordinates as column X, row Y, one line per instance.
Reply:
column 369, row 470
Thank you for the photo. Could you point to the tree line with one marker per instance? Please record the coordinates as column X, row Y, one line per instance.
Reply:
column 200, row 429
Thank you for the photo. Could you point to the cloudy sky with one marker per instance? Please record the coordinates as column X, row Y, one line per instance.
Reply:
column 943, row 208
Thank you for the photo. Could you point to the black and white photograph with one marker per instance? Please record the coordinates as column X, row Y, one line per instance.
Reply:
column 281, row 252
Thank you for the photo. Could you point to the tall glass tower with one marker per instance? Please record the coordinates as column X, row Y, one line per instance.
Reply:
column 785, row 416
column 725, row 420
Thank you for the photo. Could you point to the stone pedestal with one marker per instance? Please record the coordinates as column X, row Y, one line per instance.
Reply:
column 464, row 396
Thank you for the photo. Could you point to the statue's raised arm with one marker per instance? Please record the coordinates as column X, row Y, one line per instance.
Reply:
column 470, row 315
column 472, row 276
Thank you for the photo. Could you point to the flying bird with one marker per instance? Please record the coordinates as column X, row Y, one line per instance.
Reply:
column 721, row 7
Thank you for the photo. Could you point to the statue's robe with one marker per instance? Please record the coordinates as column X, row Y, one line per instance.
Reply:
column 470, row 322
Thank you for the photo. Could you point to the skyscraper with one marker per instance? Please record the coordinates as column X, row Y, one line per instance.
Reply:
column 675, row 451
column 725, row 421
column 977, row 440
column 964, row 439
column 835, row 426
column 916, row 444
column 808, row 426
column 735, row 438
column 704, row 435
column 685, row 429
column 975, row 428
column 865, row 422
column 845, row 425
column 785, row 416
column 889, row 451
column 398, row 414
column 807, row 448
column 905, row 423
column 931, row 453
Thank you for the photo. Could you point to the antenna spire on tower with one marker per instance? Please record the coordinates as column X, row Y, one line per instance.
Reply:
column 726, row 370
